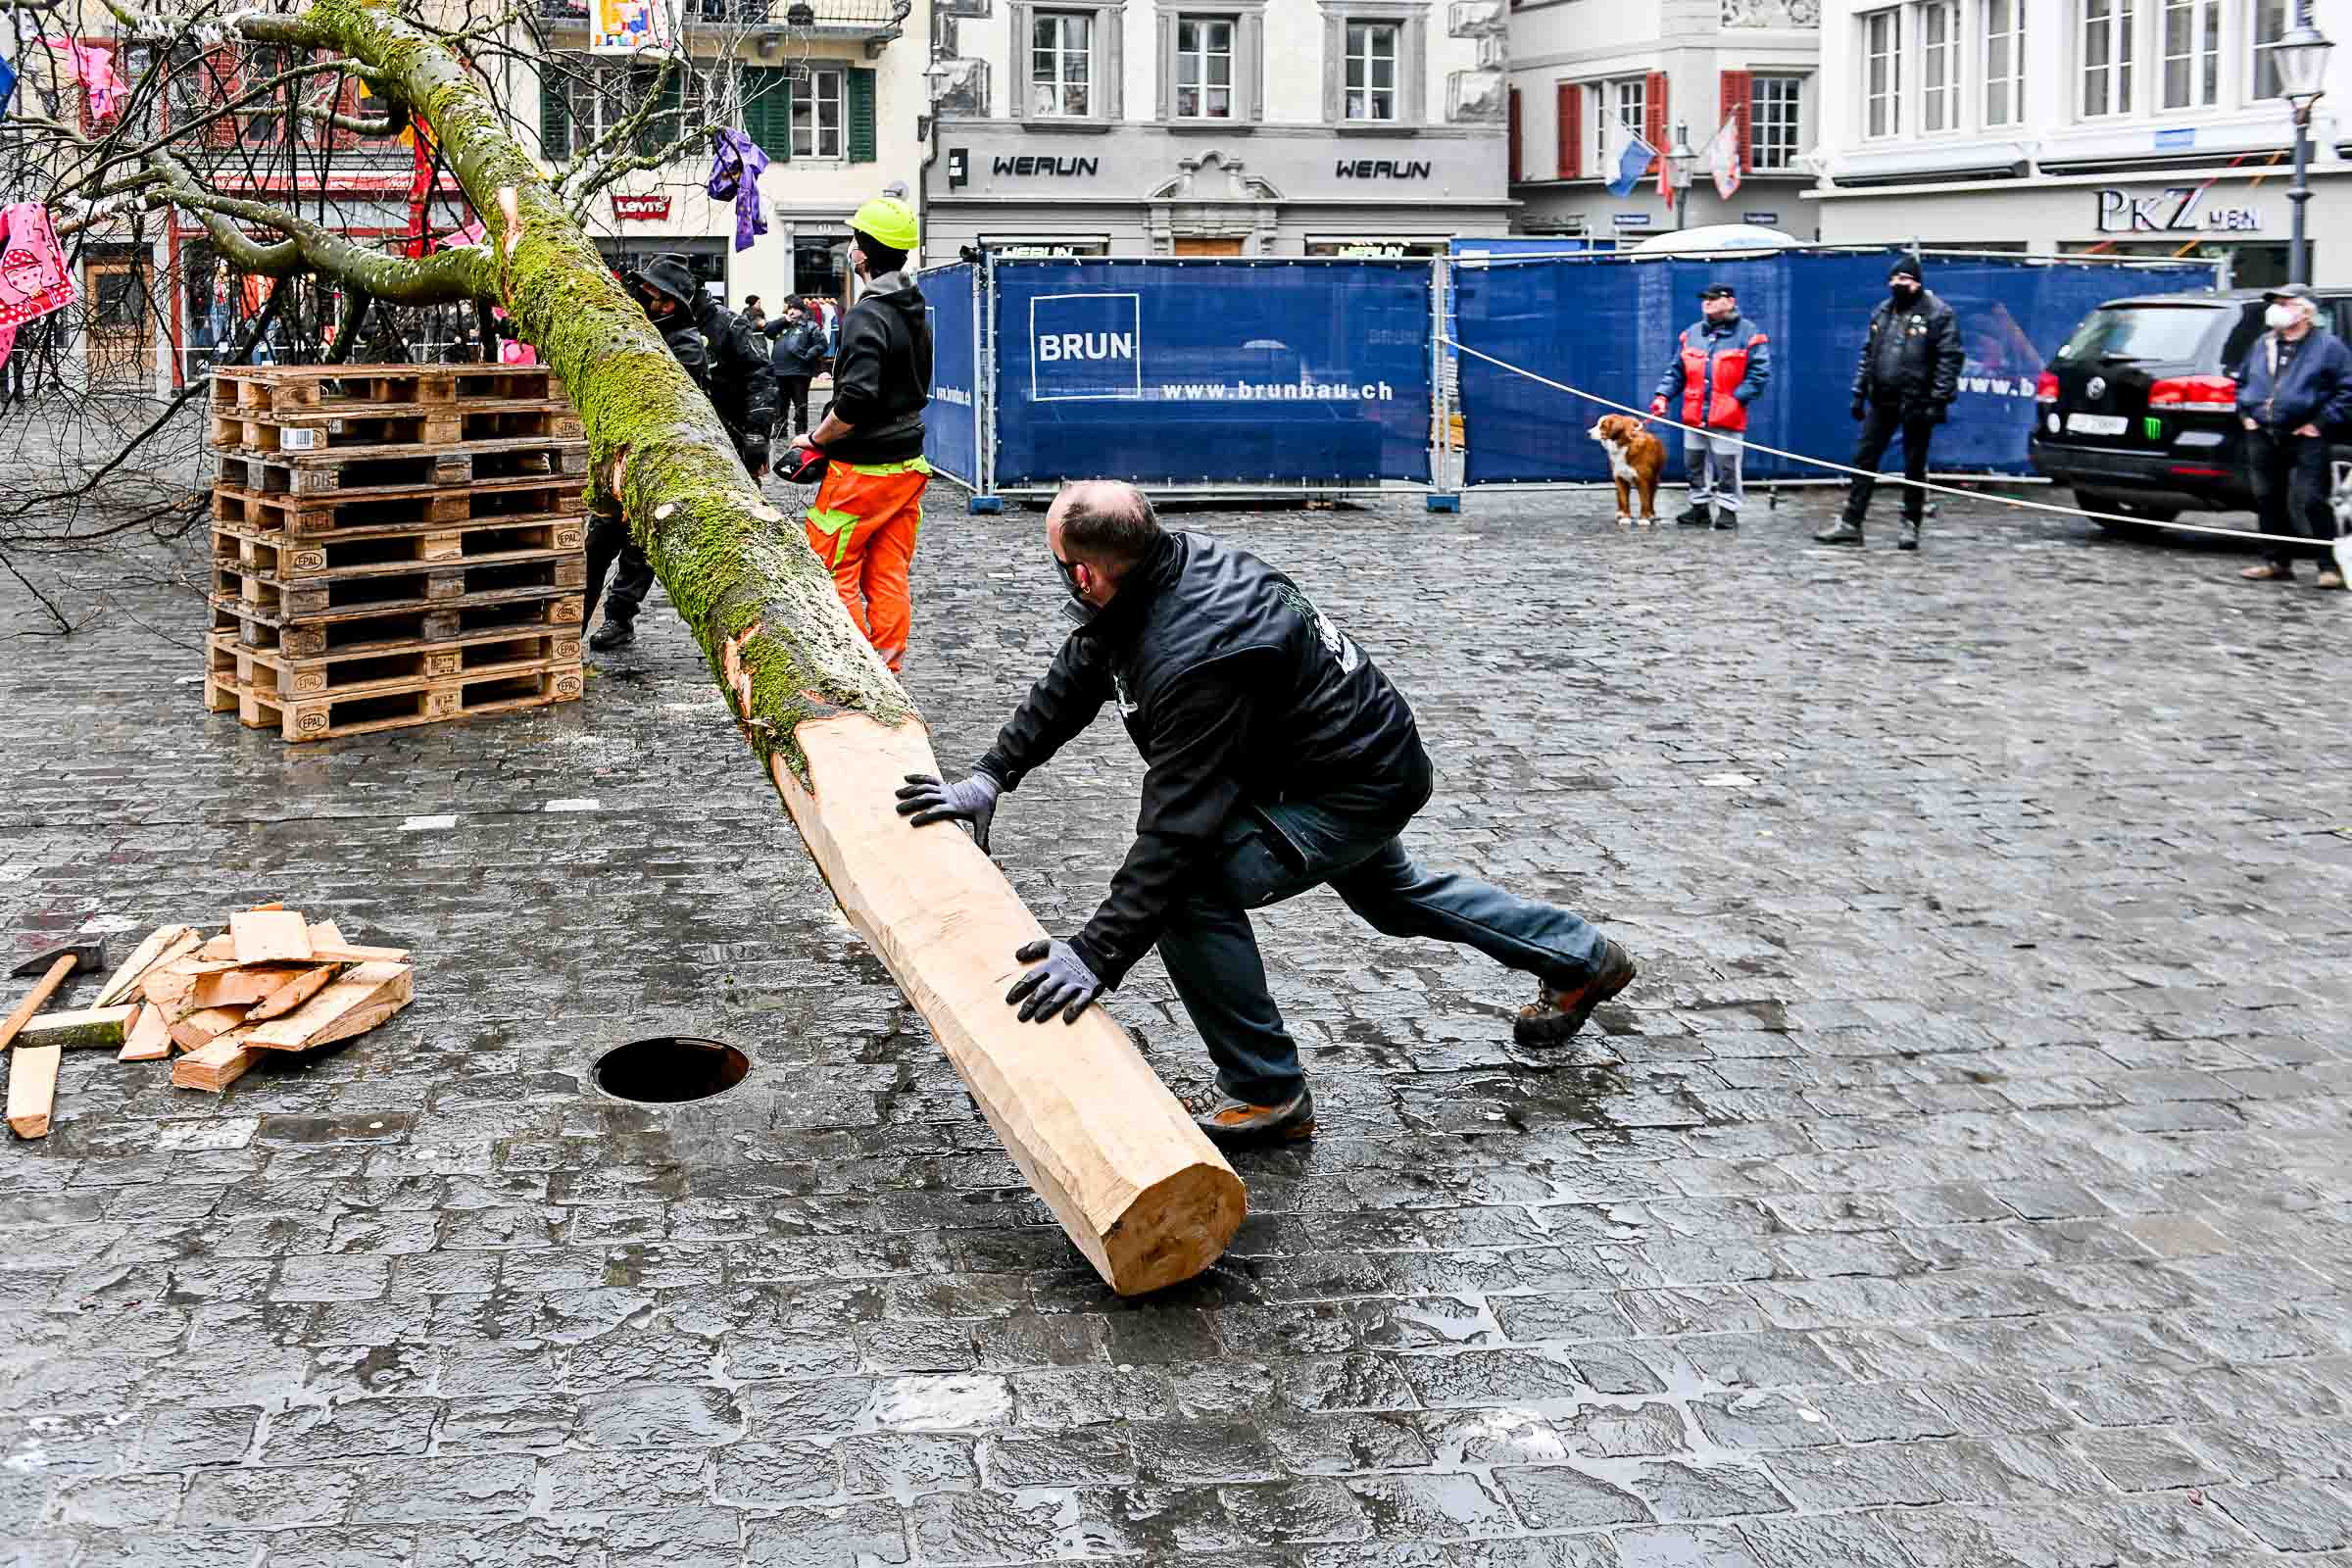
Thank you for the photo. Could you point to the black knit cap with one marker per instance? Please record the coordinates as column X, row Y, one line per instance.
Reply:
column 1719, row 292
column 1905, row 267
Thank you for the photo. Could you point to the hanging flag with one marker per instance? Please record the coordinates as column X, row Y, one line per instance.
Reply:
column 1723, row 160
column 8, row 86
column 1632, row 162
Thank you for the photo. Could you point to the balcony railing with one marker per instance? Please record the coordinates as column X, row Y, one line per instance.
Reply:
column 858, row 16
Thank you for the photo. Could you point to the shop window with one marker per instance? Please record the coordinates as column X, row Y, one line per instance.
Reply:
column 1882, row 73
column 1776, row 117
column 2106, row 54
column 2004, row 62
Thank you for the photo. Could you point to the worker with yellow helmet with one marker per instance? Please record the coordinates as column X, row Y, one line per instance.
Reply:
column 869, row 505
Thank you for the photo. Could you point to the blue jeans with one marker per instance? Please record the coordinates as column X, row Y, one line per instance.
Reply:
column 1272, row 853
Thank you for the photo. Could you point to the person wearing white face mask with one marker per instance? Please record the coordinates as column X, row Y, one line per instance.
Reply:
column 2295, row 383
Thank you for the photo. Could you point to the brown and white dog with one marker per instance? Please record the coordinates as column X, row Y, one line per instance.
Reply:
column 1636, row 459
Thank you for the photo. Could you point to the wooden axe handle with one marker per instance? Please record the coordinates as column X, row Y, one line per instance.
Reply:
column 31, row 1005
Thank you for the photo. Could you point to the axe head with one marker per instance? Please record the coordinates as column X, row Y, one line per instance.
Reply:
column 88, row 954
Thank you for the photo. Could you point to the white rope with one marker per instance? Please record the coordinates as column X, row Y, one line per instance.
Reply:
column 2343, row 547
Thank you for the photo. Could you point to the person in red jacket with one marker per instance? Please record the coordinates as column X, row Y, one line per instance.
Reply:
column 1721, row 365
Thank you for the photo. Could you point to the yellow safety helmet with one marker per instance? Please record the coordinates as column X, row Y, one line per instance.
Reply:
column 889, row 220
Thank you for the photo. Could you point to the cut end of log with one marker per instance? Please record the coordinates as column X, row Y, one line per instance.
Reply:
column 1174, row 1229
column 511, row 210
column 666, row 510
column 767, row 514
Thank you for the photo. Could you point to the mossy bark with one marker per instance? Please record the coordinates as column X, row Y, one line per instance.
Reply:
column 737, row 567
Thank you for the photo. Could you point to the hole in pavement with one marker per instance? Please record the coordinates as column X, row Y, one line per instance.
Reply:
column 670, row 1069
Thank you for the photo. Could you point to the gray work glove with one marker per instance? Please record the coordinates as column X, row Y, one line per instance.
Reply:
column 926, row 799
column 1062, row 982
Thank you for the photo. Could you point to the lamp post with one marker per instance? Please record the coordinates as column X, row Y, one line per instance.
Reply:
column 2301, row 58
column 1680, row 164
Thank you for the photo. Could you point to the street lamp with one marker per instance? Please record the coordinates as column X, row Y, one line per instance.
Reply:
column 1680, row 164
column 2301, row 58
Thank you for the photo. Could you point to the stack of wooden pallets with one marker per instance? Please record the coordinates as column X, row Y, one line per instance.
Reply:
column 393, row 545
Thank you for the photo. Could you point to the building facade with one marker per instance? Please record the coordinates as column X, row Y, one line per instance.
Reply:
column 834, row 96
column 1585, row 75
column 1216, row 128
column 2113, row 128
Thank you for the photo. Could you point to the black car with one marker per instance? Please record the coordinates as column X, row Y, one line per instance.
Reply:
column 2137, row 411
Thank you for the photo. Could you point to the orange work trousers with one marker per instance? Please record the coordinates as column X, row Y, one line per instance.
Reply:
column 863, row 526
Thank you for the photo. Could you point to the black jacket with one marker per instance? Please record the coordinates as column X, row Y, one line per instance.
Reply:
column 798, row 347
column 1236, row 689
column 882, row 376
column 742, row 387
column 1911, row 354
column 686, row 345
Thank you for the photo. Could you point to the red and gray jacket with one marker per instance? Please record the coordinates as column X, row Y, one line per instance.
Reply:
column 1719, row 368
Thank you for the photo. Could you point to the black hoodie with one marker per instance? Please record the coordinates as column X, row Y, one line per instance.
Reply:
column 882, row 375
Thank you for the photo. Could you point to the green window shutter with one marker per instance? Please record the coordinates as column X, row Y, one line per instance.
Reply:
column 555, row 118
column 767, row 109
column 664, row 127
column 860, row 137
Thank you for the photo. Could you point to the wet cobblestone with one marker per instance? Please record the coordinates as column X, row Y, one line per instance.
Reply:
column 1962, row 1183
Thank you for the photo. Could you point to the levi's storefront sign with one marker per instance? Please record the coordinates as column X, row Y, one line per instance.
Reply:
column 640, row 208
column 2176, row 209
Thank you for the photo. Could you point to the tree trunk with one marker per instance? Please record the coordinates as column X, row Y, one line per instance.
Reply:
column 1140, row 1192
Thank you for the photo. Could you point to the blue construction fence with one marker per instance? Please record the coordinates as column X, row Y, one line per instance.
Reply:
column 1278, row 375
column 1609, row 325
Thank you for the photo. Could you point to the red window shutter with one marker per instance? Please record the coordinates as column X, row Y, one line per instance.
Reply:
column 214, row 82
column 1514, row 132
column 1739, row 106
column 1571, row 130
column 1653, row 116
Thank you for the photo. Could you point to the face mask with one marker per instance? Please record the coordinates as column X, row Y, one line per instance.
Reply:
column 2278, row 318
column 1902, row 291
column 1075, row 606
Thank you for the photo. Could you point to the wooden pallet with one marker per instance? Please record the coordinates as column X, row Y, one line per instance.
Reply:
column 381, row 424
column 368, row 669
column 528, row 497
column 401, row 584
column 285, row 388
column 510, row 612
column 392, row 705
column 249, row 551
column 382, row 470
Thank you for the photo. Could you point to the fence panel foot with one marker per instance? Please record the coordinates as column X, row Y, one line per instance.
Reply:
column 984, row 505
column 1438, row 501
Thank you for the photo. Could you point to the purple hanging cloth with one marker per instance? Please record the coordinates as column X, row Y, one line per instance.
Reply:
column 736, row 165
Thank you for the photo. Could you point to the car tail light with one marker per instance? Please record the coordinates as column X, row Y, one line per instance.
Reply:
column 2045, row 390
column 2184, row 471
column 2196, row 394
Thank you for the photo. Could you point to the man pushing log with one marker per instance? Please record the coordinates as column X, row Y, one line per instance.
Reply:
column 1278, row 759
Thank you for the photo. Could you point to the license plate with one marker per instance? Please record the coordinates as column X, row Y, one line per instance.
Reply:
column 2097, row 423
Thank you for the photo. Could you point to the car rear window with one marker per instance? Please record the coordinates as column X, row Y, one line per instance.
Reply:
column 2139, row 333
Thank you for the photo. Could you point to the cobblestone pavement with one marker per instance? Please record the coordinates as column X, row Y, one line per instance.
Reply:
column 1964, row 1182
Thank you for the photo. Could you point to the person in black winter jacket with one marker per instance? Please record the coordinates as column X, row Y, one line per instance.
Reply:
column 796, row 352
column 1905, row 383
column 1278, row 759
column 608, row 541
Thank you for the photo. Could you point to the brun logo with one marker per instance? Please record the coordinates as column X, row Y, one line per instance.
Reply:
column 1381, row 168
column 1045, row 168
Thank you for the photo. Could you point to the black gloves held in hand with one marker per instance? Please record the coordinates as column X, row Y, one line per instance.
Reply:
column 754, row 454
column 926, row 799
column 1062, row 982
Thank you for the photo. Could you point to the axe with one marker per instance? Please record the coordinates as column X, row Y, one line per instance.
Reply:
column 59, row 962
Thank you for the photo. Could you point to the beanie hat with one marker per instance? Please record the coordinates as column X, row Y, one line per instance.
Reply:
column 1905, row 267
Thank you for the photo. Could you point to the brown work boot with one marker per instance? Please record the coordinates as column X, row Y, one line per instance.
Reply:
column 2332, row 579
column 2268, row 572
column 1557, row 1012
column 1230, row 1122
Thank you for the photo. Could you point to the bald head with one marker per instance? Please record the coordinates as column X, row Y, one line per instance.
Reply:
column 1104, row 523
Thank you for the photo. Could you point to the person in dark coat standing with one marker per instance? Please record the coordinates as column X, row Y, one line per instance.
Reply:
column 796, row 351
column 1908, row 375
column 1278, row 758
column 608, row 541
column 2295, row 384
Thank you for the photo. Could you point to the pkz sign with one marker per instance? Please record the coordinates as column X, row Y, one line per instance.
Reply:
column 2173, row 211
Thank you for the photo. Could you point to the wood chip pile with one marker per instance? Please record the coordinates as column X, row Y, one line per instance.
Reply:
column 272, row 981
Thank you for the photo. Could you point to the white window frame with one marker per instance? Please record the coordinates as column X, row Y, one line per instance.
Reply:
column 1200, row 58
column 1776, row 122
column 1048, row 96
column 1360, row 100
column 811, row 137
column 1936, row 23
column 2206, row 20
column 2258, row 48
column 1614, row 94
column 1881, row 33
column 2008, row 82
column 2116, row 24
